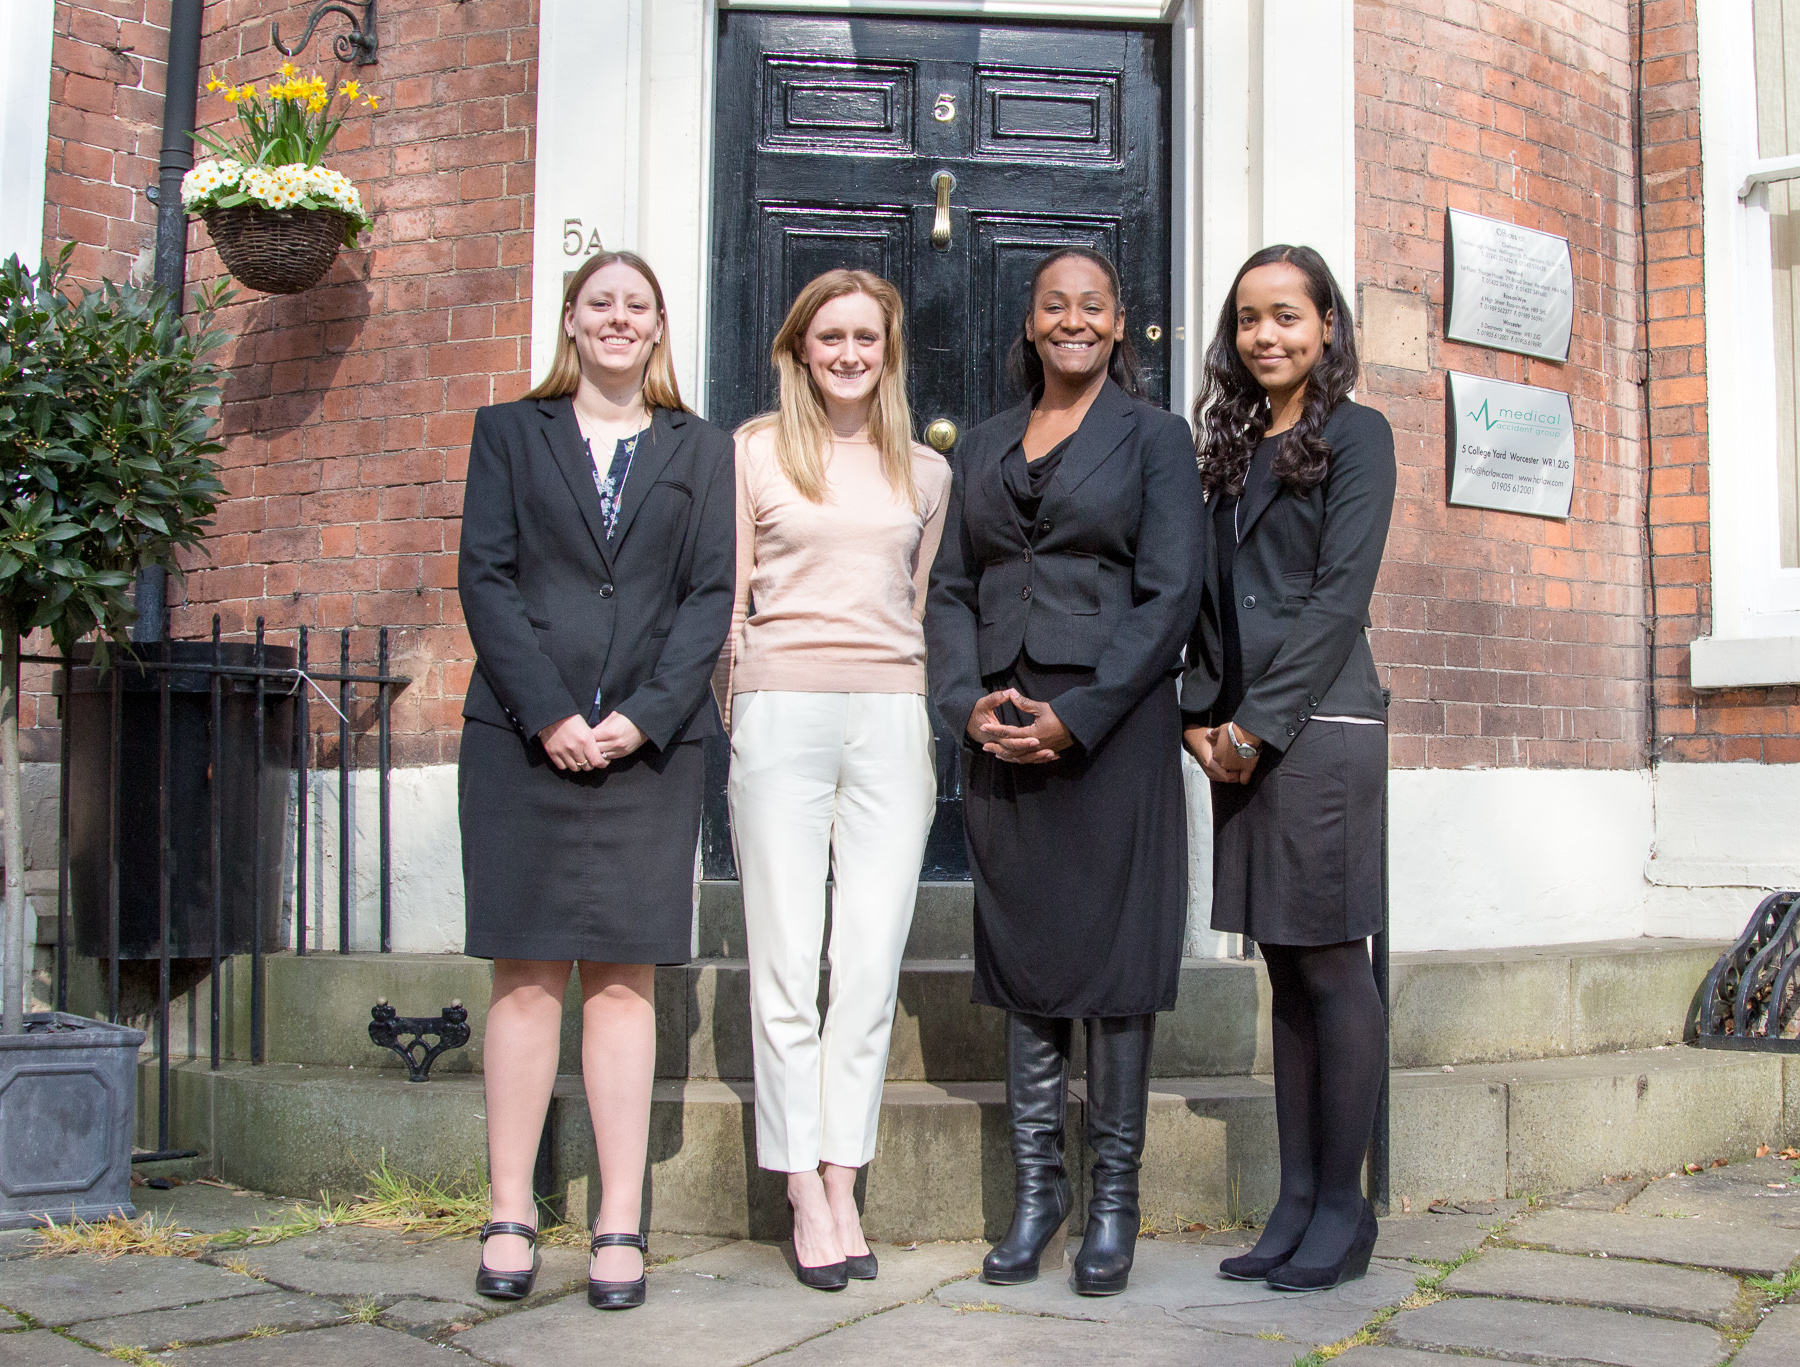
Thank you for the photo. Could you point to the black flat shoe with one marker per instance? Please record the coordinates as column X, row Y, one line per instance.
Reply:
column 617, row 1295
column 508, row 1286
column 1247, row 1267
column 861, row 1266
column 1354, row 1263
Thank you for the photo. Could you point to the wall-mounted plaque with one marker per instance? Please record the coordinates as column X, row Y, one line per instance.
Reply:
column 1512, row 446
column 1507, row 287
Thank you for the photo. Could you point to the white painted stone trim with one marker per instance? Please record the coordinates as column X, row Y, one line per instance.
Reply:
column 1745, row 661
column 1120, row 11
column 1753, row 597
column 26, row 31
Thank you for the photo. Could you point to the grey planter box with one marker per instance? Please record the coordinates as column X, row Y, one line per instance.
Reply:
column 68, row 1094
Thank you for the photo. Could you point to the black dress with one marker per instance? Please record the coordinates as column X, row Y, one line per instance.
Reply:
column 1079, row 865
column 1297, row 850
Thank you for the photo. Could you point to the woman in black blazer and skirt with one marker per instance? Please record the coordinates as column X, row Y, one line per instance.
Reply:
column 1300, row 486
column 1069, row 573
column 598, row 545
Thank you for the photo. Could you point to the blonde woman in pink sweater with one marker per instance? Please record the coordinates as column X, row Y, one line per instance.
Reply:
column 839, row 513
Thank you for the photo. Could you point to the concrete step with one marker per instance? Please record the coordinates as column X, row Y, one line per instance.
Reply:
column 943, row 1167
column 943, row 924
column 1472, row 1006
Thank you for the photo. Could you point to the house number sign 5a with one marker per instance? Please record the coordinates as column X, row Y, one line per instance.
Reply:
column 573, row 242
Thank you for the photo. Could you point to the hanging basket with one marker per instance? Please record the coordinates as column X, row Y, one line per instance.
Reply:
column 278, row 251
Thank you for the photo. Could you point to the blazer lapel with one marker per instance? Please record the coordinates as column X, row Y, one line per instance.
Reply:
column 1109, row 420
column 1259, row 493
column 987, row 487
column 563, row 434
column 652, row 457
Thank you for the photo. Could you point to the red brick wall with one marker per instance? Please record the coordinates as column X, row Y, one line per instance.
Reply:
column 350, row 405
column 1738, row 724
column 1507, row 640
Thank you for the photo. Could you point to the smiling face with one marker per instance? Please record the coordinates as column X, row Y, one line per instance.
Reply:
column 1075, row 321
column 614, row 322
column 1280, row 332
column 845, row 347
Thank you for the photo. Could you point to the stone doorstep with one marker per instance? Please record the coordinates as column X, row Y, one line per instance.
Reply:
column 943, row 1165
column 1462, row 1008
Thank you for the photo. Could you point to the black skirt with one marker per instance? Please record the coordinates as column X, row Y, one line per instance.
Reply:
column 561, row 865
column 1297, row 850
column 1080, row 865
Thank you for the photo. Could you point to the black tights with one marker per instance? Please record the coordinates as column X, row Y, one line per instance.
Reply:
column 1330, row 1050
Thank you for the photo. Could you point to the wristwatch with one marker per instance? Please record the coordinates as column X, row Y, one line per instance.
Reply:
column 1244, row 749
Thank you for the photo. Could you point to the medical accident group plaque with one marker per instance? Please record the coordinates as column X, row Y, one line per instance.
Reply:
column 1512, row 446
column 1507, row 287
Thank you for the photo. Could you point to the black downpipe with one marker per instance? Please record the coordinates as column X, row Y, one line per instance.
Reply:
column 182, row 87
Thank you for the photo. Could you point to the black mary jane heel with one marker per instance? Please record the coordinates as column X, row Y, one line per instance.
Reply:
column 507, row 1286
column 618, row 1295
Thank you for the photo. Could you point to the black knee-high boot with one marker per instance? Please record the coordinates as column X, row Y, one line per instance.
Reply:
column 1037, row 1088
column 1118, row 1088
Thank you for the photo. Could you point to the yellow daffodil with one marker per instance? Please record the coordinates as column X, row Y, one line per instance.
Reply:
column 287, row 68
column 247, row 91
column 215, row 84
column 317, row 102
column 350, row 89
column 373, row 103
column 233, row 94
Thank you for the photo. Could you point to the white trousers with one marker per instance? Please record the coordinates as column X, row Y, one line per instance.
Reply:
column 843, row 781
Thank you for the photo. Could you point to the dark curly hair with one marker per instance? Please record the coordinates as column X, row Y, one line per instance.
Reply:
column 1232, row 412
column 1023, row 364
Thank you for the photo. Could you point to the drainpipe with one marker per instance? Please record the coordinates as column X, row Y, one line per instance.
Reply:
column 181, row 90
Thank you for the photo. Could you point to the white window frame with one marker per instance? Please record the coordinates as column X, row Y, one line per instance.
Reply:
column 1755, row 638
column 26, row 30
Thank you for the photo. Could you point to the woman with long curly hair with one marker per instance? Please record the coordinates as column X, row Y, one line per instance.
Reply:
column 839, row 513
column 1300, row 488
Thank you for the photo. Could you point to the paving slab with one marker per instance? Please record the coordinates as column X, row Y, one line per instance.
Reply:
column 1434, row 1238
column 358, row 1261
column 972, row 1338
column 1555, row 1334
column 1721, row 1197
column 9, row 1322
column 414, row 1313
column 1386, row 1355
column 730, row 1306
column 1180, row 1284
column 1606, row 1283
column 1776, row 1342
column 212, row 1209
column 1611, row 1197
column 350, row 1345
column 1742, row 1248
column 41, row 1348
column 61, row 1290
column 211, row 1322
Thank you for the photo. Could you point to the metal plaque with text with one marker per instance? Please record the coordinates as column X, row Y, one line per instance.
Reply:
column 1507, row 287
column 1512, row 446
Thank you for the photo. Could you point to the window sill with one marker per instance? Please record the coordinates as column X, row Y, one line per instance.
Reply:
column 1744, row 662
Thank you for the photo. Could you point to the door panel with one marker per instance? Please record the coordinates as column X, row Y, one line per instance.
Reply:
column 828, row 133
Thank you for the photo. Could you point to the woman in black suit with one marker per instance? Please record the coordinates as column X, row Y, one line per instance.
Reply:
column 1069, row 572
column 598, row 546
column 1300, row 483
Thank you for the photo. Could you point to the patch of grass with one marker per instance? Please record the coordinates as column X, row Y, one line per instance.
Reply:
column 137, row 1357
column 149, row 1234
column 1274, row 1334
column 1313, row 1359
column 296, row 1220
column 1778, row 1288
column 364, row 1311
column 264, row 1331
column 985, row 1307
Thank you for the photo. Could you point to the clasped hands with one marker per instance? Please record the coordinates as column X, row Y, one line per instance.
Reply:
column 1038, row 743
column 572, row 744
column 1212, row 746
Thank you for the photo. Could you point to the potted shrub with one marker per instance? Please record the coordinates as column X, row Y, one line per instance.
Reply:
column 278, row 217
column 105, row 467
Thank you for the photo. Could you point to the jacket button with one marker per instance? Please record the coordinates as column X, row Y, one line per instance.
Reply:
column 1027, row 557
column 606, row 590
column 1025, row 592
column 1290, row 730
column 1044, row 526
column 1249, row 600
column 1311, row 701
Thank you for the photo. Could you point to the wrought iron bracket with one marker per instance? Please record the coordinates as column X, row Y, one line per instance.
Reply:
column 1751, row 999
column 450, row 1030
column 358, row 46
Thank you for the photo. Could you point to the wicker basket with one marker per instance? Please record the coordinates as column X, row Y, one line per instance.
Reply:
column 279, row 251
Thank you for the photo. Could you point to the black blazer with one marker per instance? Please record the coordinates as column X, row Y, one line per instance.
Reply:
column 1110, row 582
column 557, row 612
column 1302, row 579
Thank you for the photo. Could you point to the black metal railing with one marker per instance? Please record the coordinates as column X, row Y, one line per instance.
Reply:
column 265, row 681
column 1751, row 998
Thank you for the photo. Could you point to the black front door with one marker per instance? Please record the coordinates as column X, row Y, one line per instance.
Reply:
column 946, row 156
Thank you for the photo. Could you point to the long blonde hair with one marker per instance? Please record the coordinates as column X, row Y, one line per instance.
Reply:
column 802, row 434
column 660, row 387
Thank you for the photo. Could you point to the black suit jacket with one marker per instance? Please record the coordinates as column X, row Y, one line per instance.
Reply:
column 1302, row 579
column 1110, row 581
column 559, row 613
